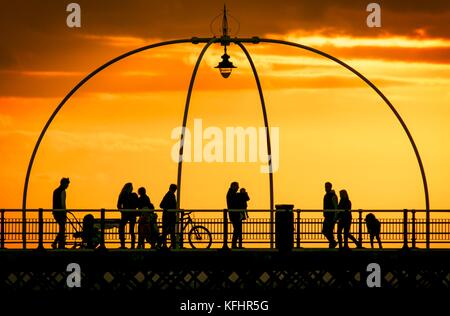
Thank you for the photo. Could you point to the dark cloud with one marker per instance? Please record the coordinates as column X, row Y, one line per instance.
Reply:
column 175, row 18
column 34, row 36
column 438, row 55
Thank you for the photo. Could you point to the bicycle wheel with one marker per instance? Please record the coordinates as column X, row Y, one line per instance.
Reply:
column 200, row 237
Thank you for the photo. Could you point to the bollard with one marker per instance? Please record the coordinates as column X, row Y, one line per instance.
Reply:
column 2, row 228
column 225, row 230
column 360, row 220
column 102, row 229
column 405, row 229
column 41, row 229
column 298, row 229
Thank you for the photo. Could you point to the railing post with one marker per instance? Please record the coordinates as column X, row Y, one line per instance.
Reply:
column 413, row 229
column 271, row 230
column 102, row 229
column 405, row 229
column 225, row 230
column 40, row 229
column 2, row 228
column 360, row 220
column 427, row 229
column 180, row 228
column 24, row 229
column 298, row 229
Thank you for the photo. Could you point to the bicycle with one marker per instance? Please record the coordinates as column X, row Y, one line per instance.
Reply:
column 199, row 236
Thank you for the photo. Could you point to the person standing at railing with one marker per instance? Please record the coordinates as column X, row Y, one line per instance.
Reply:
column 242, row 198
column 345, row 220
column 169, row 218
column 329, row 206
column 148, row 226
column 128, row 200
column 60, row 213
column 233, row 205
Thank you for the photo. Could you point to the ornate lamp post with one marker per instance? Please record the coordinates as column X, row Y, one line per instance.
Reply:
column 225, row 66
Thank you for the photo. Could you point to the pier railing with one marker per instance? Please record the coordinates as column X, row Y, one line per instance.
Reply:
column 399, row 228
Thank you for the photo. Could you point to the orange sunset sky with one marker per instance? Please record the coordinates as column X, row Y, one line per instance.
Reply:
column 117, row 128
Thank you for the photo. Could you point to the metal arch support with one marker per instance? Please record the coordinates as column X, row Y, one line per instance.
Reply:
column 209, row 41
column 61, row 104
column 269, row 148
column 385, row 99
column 185, row 116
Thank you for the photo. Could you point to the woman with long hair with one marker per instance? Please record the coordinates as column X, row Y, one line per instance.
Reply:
column 345, row 220
column 128, row 201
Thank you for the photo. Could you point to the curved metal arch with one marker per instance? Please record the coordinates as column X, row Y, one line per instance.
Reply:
column 61, row 104
column 254, row 40
column 186, row 112
column 185, row 116
column 386, row 100
column 266, row 124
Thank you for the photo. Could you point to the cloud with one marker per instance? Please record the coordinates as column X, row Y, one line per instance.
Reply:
column 314, row 39
column 40, row 56
column 5, row 120
column 179, row 19
column 105, row 142
column 137, row 73
column 101, row 142
column 120, row 41
column 43, row 73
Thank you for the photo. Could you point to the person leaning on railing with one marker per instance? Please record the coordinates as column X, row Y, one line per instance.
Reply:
column 374, row 229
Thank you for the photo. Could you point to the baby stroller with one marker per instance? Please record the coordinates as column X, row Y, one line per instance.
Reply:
column 87, row 233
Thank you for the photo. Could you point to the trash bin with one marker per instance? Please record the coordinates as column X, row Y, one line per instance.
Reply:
column 284, row 226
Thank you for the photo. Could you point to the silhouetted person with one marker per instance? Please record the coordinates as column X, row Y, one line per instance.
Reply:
column 374, row 229
column 243, row 198
column 128, row 200
column 329, row 206
column 345, row 220
column 148, row 227
column 60, row 213
column 90, row 234
column 144, row 200
column 234, row 204
column 169, row 202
